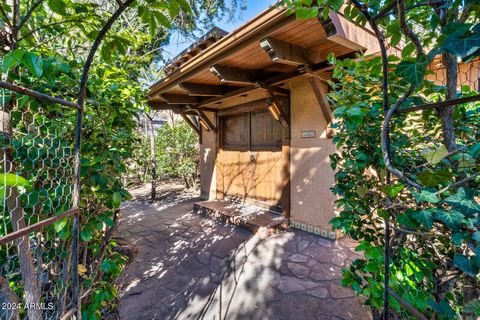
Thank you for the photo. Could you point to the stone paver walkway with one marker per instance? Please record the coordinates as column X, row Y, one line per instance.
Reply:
column 192, row 267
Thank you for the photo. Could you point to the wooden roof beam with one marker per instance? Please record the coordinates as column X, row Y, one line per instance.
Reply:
column 273, row 81
column 203, row 90
column 234, row 75
column 291, row 54
column 160, row 105
column 346, row 33
column 180, row 99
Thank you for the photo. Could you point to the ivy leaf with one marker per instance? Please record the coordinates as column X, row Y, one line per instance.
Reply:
column 394, row 190
column 152, row 26
column 426, row 196
column 476, row 236
column 465, row 264
column 464, row 201
column 13, row 180
column 336, row 4
column 434, row 156
column 106, row 52
column 435, row 178
column 413, row 71
column 116, row 199
column 60, row 224
column 462, row 45
column 443, row 308
column 57, row 6
column 162, row 19
column 450, row 218
column 106, row 220
column 184, row 5
column 355, row 114
column 86, row 235
column 425, row 217
column 34, row 63
column 11, row 59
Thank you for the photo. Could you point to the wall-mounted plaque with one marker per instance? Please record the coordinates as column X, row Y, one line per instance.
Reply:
column 308, row 134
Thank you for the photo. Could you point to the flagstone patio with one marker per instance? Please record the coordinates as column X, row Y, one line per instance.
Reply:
column 189, row 266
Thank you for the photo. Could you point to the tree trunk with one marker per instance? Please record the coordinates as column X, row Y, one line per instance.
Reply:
column 152, row 156
column 446, row 113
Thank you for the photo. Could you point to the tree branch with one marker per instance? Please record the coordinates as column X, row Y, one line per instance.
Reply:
column 385, row 11
column 94, row 48
column 459, row 183
column 406, row 29
column 386, row 137
column 7, row 19
column 47, row 26
column 28, row 14
column 440, row 104
column 36, row 94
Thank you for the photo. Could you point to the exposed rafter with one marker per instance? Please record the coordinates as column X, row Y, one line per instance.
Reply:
column 344, row 32
column 291, row 54
column 235, row 75
column 160, row 105
column 203, row 90
column 180, row 99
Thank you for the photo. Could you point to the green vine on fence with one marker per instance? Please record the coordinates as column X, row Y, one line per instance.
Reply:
column 432, row 155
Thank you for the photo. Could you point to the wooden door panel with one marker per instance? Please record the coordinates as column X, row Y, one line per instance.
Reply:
column 251, row 160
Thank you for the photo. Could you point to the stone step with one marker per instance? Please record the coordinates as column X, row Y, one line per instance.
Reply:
column 248, row 217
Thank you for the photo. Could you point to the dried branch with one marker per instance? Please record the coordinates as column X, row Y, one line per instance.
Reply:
column 37, row 95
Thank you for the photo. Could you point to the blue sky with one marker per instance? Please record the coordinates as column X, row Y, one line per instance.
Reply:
column 254, row 7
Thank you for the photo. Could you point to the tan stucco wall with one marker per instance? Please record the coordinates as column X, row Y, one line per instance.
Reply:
column 207, row 162
column 312, row 202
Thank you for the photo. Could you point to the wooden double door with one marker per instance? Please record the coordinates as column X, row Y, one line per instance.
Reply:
column 252, row 162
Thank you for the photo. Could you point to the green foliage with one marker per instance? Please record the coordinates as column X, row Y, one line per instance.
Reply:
column 436, row 230
column 177, row 152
